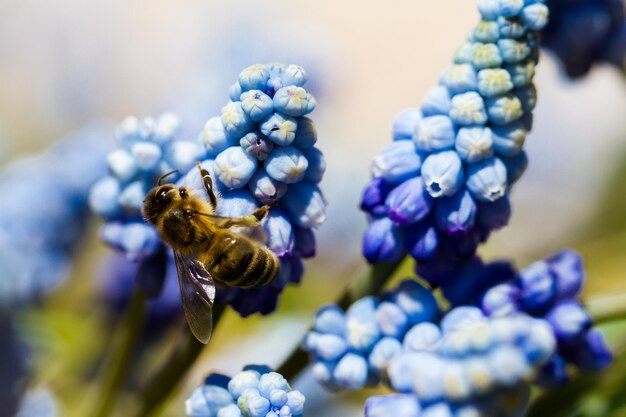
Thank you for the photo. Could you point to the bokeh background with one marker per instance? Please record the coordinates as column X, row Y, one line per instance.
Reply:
column 69, row 64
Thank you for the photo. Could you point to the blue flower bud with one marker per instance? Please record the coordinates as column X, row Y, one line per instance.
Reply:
column 486, row 55
column 434, row 133
column 511, row 28
column 257, row 145
column 540, row 344
column 513, row 51
column 243, row 381
column 295, row 402
column 521, row 74
column 421, row 240
column 567, row 269
column 437, row 410
column 403, row 369
column 183, row 155
column 459, row 78
column 382, row 241
column 323, row 373
column 391, row 320
column 554, row 372
column 266, row 189
column 464, row 53
column 569, row 320
column 508, row 140
column 515, row 166
column 508, row 365
column 436, row 102
column 237, row 203
column 423, row 337
column 306, row 135
column 234, row 91
column 286, row 164
column 385, row 350
column 455, row 381
column 234, row 167
column 538, row 287
column 592, row 353
column 280, row 233
column 428, row 369
column 504, row 109
column 294, row 101
column 271, row 381
column 374, row 195
column 256, row 104
column 254, row 77
column 528, row 97
column 462, row 317
column 206, row 401
column 122, row 165
column 456, row 214
column 397, row 162
column 147, row 155
column 236, row 122
column 489, row 9
column 166, row 128
column 281, row 129
column 501, row 300
column 214, row 137
column 273, row 85
column 136, row 240
column 293, row 75
column 362, row 330
column 305, row 205
column 468, row 109
column 486, row 179
column 443, row 174
column 474, row 143
column 417, row 302
column 278, row 398
column 131, row 197
column 397, row 405
column 535, row 16
column 405, row 122
column 511, row 8
column 494, row 215
column 330, row 347
column 330, row 319
column 317, row 164
column 408, row 202
column 493, row 82
column 486, row 31
column 252, row 404
column 351, row 372
column 131, row 130
column 103, row 197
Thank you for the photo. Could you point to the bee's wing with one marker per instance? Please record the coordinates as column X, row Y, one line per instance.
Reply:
column 197, row 291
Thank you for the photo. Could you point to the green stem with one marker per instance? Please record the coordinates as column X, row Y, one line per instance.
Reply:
column 607, row 307
column 165, row 380
column 369, row 282
column 118, row 363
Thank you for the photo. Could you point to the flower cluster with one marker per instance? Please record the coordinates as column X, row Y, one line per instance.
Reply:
column 254, row 392
column 44, row 212
column 549, row 289
column 262, row 151
column 442, row 186
column 146, row 150
column 582, row 33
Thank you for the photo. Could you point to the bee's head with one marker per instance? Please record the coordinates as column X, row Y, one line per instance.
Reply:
column 157, row 201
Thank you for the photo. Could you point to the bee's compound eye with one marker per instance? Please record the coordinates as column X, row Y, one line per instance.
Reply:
column 161, row 194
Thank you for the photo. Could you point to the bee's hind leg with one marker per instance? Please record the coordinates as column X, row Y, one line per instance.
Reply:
column 208, row 185
column 251, row 220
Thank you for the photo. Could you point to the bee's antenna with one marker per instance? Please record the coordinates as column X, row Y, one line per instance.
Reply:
column 162, row 177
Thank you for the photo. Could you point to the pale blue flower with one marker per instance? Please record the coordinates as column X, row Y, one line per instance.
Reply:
column 434, row 133
column 468, row 109
column 443, row 174
column 474, row 143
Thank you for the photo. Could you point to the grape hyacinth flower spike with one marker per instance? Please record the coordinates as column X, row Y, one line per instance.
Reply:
column 256, row 391
column 442, row 186
column 261, row 151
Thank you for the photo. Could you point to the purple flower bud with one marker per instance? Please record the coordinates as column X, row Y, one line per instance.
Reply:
column 474, row 143
column 256, row 104
column 281, row 129
column 408, row 202
column 234, row 167
column 434, row 133
column 538, row 287
column 436, row 102
column 266, row 189
column 443, row 174
column 421, row 240
column 592, row 353
column 456, row 214
column 501, row 300
column 567, row 268
column 286, row 164
column 257, row 145
column 486, row 179
column 569, row 321
column 397, row 162
column 305, row 242
column 374, row 195
column 382, row 241
column 305, row 205
column 494, row 215
column 404, row 123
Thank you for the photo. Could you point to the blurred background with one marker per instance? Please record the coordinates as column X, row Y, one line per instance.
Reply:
column 71, row 64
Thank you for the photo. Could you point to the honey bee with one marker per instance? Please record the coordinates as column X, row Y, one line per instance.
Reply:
column 206, row 251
